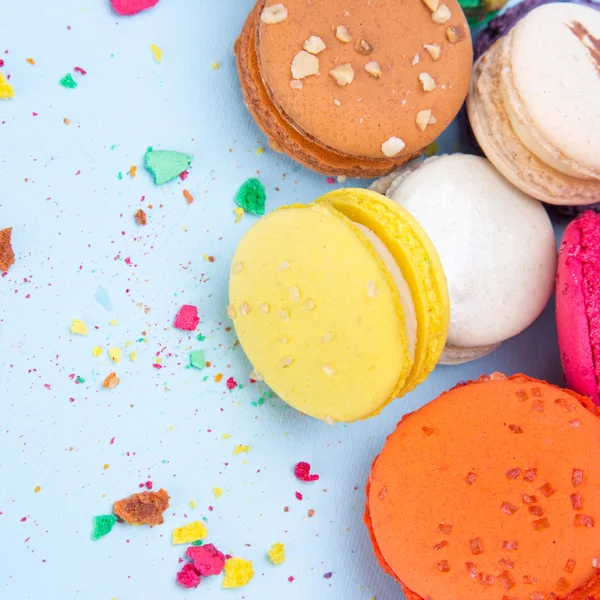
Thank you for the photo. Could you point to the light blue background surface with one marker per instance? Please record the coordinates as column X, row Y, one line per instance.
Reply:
column 73, row 230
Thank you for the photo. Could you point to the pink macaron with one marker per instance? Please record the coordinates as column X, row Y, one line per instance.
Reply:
column 578, row 305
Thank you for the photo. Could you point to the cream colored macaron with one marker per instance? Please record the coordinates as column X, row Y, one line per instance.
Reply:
column 534, row 104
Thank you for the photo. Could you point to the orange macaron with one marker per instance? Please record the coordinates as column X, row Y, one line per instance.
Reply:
column 353, row 87
column 491, row 491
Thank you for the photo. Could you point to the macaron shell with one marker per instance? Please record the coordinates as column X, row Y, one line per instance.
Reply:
column 503, row 148
column 282, row 136
column 578, row 304
column 333, row 267
column 419, row 481
column 419, row 263
column 371, row 110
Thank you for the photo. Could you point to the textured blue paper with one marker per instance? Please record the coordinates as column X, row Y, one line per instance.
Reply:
column 73, row 231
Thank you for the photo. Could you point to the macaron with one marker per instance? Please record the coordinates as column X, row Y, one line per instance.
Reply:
column 340, row 306
column 496, row 244
column 490, row 491
column 578, row 305
column 355, row 88
column 533, row 104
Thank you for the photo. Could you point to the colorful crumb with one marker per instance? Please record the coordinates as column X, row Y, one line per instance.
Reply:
column 197, row 359
column 140, row 217
column 102, row 525
column 166, row 165
column 78, row 327
column 145, row 508
column 112, row 381
column 115, row 354
column 238, row 572
column 217, row 492
column 188, row 196
column 68, row 82
column 252, row 197
column 132, row 7
column 241, row 448
column 187, row 318
column 6, row 90
column 207, row 559
column 156, row 53
column 190, row 533
column 277, row 553
column 302, row 472
column 188, row 577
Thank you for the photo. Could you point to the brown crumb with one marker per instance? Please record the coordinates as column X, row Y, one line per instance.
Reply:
column 66, row 121
column 144, row 508
column 7, row 256
column 188, row 196
column 286, row 509
column 311, row 512
column 140, row 217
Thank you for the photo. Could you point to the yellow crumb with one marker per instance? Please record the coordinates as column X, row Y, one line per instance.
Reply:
column 218, row 492
column 97, row 350
column 6, row 90
column 37, row 488
column 238, row 572
column 190, row 533
column 192, row 504
column 239, row 211
column 277, row 553
column 226, row 436
column 78, row 327
column 158, row 360
column 133, row 355
column 106, row 467
column 127, row 344
column 239, row 449
column 156, row 53
column 132, row 171
column 171, row 427
column 260, row 150
column 113, row 322
column 115, row 354
column 215, row 66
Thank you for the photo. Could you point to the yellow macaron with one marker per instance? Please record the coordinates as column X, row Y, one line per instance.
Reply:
column 341, row 306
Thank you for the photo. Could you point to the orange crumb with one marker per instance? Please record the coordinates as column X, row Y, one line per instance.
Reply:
column 140, row 217
column 132, row 171
column 188, row 196
column 112, row 381
column 37, row 488
column 144, row 508
column 30, row 61
column 106, row 466
column 219, row 377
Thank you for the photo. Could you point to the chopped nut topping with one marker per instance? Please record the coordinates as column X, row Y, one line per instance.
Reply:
column 455, row 34
column 541, row 524
column 328, row 337
column 445, row 528
column 294, row 293
column 476, row 546
column 570, row 566
column 595, row 562
column 442, row 566
column 296, row 84
column 428, row 431
column 521, row 395
column 237, row 268
column 440, row 545
column 527, row 499
column 427, row 82
column 510, row 545
column 486, row 579
column 371, row 289
column 245, row 308
column 393, row 147
column 329, row 370
column 337, row 102
column 433, row 50
column 515, row 428
column 470, row 479
column 547, row 489
column 529, row 580
column 272, row 15
column 286, row 362
column 342, row 34
column 583, row 521
column 264, row 308
column 508, row 581
column 309, row 305
column 281, row 339
column 575, row 423
column 562, row 584
column 530, row 475
column 472, row 570
column 508, row 509
column 284, row 266
column 506, row 562
column 373, row 68
column 432, row 5
column 416, row 59
column 255, row 375
column 304, row 65
column 363, row 47
column 343, row 74
column 513, row 473
column 231, row 312
column 577, row 477
column 441, row 15
column 314, row 44
column 284, row 315
column 422, row 120
column 576, row 501
column 538, row 511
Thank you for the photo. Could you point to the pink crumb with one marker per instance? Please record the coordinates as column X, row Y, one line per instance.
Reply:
column 80, row 70
column 187, row 318
column 330, row 180
column 231, row 383
column 302, row 472
column 299, row 496
column 132, row 7
column 183, row 175
column 188, row 577
column 207, row 559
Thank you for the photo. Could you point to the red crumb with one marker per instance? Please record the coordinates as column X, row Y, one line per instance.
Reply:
column 515, row 428
column 7, row 256
column 470, row 479
column 577, row 477
column 547, row 490
column 80, row 70
column 440, row 545
column 507, row 580
column 299, row 496
column 472, row 570
column 583, row 521
column 187, row 318
column 231, row 383
column 508, row 509
column 530, row 475
column 188, row 577
column 302, row 472
column 445, row 528
column 513, row 473
column 188, row 196
column 527, row 499
column 510, row 545
column 140, row 217
column 541, row 524
column 183, row 175
column 476, row 546
column 570, row 566
column 144, row 508
column 207, row 559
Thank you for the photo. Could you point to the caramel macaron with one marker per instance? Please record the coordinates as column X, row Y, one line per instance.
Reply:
column 491, row 491
column 354, row 88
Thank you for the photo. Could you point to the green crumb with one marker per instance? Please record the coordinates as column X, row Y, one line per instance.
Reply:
column 80, row 379
column 201, row 337
column 252, row 197
column 166, row 165
column 103, row 525
column 261, row 401
column 197, row 543
column 120, row 176
column 197, row 359
column 68, row 82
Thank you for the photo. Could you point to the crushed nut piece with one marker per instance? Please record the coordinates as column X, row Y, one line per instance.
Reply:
column 237, row 268
column 281, row 339
column 264, row 308
column 432, row 5
column 363, row 47
column 294, row 293
column 427, row 82
column 314, row 44
column 255, row 375
column 371, row 289
column 284, row 266
column 231, row 312
column 245, row 308
column 415, row 60
column 342, row 34
column 286, row 362
column 455, row 34
column 433, row 50
column 422, row 120
column 327, row 337
column 296, row 84
column 284, row 315
column 329, row 370
column 304, row 65
column 393, row 147
column 373, row 68
column 337, row 102
column 441, row 15
column 343, row 74
column 272, row 15
column 309, row 305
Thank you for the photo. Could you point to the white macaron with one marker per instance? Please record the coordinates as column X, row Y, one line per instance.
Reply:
column 496, row 244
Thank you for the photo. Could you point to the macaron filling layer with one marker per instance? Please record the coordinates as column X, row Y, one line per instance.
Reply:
column 395, row 272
